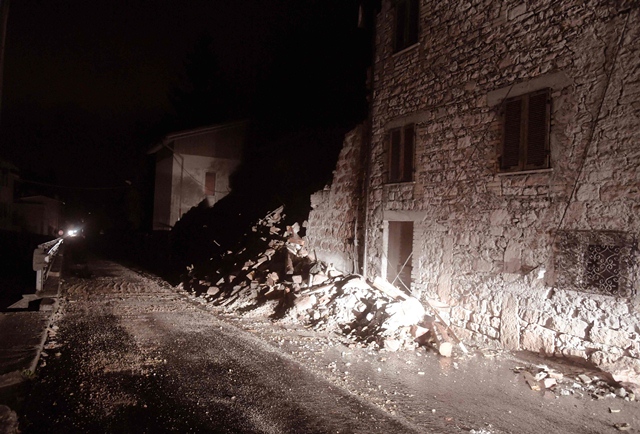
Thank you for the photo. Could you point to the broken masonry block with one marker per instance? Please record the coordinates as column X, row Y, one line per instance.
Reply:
column 388, row 289
column 531, row 381
column 288, row 264
column 392, row 345
column 584, row 378
column 305, row 302
column 318, row 279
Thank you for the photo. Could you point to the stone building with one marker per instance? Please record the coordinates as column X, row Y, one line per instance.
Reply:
column 501, row 172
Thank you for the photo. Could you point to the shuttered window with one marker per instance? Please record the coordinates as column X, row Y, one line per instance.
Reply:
column 407, row 12
column 525, row 144
column 401, row 154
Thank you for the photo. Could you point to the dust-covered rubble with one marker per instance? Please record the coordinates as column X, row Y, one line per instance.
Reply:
column 273, row 274
column 581, row 385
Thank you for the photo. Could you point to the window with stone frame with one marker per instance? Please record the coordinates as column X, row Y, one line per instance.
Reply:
column 525, row 132
column 400, row 155
column 407, row 23
column 599, row 262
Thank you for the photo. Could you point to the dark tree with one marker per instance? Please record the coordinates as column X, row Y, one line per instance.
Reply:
column 201, row 96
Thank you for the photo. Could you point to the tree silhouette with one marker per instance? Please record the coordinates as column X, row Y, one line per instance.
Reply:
column 201, row 96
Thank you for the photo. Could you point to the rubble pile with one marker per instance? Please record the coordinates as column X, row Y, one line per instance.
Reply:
column 581, row 385
column 273, row 274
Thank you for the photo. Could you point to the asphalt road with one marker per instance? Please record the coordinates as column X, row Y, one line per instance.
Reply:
column 127, row 354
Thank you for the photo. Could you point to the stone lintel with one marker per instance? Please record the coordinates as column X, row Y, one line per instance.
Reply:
column 403, row 216
column 556, row 81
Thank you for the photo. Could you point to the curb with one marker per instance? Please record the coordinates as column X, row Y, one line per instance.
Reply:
column 13, row 384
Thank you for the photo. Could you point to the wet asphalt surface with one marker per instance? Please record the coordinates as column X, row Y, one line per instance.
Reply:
column 127, row 354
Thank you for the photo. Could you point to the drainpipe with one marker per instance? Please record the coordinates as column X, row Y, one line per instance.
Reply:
column 367, row 136
column 181, row 178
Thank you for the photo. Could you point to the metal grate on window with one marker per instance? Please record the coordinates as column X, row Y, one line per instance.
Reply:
column 599, row 262
column 602, row 267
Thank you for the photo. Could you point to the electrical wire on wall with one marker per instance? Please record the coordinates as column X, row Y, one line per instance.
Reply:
column 585, row 152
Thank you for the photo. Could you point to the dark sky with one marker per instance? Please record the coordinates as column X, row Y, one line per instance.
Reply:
column 86, row 83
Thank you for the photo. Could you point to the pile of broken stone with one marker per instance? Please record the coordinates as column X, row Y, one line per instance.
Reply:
column 272, row 273
column 581, row 385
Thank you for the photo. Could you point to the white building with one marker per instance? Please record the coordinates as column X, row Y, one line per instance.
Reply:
column 192, row 166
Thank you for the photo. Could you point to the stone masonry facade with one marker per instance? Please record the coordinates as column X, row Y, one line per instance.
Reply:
column 516, row 255
column 335, row 211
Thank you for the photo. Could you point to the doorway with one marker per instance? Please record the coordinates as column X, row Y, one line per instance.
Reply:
column 399, row 253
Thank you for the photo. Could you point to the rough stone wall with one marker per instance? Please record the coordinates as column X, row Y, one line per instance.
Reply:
column 331, row 228
column 486, row 243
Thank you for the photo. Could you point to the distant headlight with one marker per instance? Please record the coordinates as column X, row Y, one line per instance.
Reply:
column 72, row 232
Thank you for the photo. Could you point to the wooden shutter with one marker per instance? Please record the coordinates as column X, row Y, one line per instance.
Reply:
column 401, row 20
column 210, row 184
column 512, row 134
column 407, row 20
column 407, row 166
column 412, row 24
column 537, row 131
column 394, row 157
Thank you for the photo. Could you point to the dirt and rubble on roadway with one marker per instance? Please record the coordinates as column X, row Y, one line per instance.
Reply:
column 272, row 285
column 267, row 339
column 127, row 353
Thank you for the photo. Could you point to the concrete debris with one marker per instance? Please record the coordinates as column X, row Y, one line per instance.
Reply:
column 584, row 378
column 272, row 272
column 579, row 385
column 531, row 381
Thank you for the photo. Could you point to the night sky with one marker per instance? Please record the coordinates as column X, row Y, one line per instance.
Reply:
column 89, row 85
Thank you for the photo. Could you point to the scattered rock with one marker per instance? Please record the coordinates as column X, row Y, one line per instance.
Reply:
column 531, row 381
column 8, row 420
column 584, row 378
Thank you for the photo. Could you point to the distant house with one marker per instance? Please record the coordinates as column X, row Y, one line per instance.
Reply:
column 8, row 176
column 39, row 214
column 192, row 166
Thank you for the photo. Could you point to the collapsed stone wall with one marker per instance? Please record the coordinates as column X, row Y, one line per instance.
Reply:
column 331, row 230
column 491, row 245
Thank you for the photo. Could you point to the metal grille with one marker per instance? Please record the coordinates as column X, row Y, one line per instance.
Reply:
column 600, row 262
column 602, row 270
